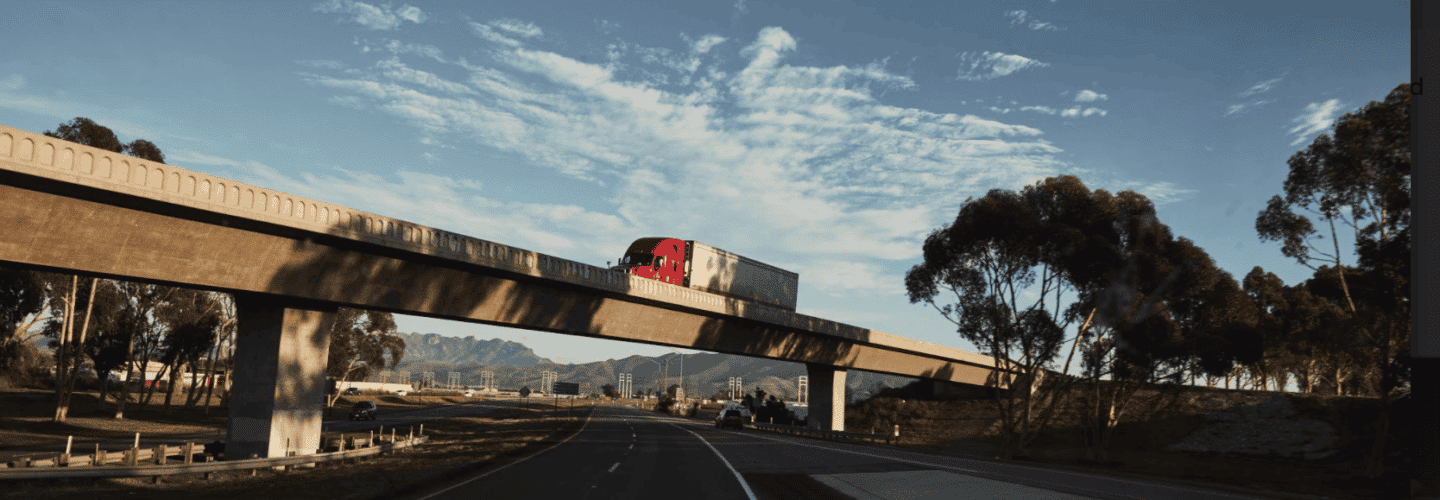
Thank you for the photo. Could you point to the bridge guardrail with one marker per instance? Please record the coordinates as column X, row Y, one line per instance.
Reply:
column 155, row 471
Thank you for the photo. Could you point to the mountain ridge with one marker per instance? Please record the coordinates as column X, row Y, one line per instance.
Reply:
column 515, row 365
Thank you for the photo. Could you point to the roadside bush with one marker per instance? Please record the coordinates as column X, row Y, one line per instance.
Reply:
column 666, row 404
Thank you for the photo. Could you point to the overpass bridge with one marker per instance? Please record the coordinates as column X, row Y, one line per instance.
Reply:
column 292, row 261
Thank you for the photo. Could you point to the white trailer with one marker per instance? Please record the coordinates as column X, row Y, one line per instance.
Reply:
column 713, row 270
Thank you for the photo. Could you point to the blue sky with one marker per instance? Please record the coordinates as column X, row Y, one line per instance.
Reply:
column 827, row 138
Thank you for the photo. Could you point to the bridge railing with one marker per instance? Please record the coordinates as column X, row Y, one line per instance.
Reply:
column 796, row 430
column 62, row 467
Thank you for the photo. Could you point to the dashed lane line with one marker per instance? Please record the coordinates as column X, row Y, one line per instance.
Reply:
column 498, row 469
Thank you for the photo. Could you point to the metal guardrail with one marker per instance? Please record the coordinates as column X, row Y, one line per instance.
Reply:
column 886, row 438
column 90, row 471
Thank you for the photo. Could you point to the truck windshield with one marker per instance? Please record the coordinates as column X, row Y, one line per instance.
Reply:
column 637, row 259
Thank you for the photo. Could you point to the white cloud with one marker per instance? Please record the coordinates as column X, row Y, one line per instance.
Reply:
column 488, row 33
column 1070, row 113
column 842, row 277
column 1039, row 109
column 998, row 110
column 1090, row 96
column 989, row 65
column 1261, row 87
column 13, row 82
column 370, row 16
column 606, row 26
column 739, row 10
column 320, row 64
column 1244, row 106
column 515, row 27
column 707, row 42
column 1317, row 117
column 1021, row 18
column 1095, row 111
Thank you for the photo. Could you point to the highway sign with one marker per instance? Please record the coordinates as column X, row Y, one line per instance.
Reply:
column 570, row 388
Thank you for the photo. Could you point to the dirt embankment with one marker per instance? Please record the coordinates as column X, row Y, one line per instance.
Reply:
column 1297, row 443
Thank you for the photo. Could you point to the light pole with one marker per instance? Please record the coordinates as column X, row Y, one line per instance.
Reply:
column 682, row 370
column 657, row 363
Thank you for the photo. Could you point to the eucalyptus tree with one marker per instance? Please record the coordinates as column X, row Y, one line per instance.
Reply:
column 359, row 344
column 986, row 259
column 22, row 310
column 1127, row 272
column 85, row 131
column 194, row 319
column 138, row 323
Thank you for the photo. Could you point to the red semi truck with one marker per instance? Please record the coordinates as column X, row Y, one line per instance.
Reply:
column 693, row 264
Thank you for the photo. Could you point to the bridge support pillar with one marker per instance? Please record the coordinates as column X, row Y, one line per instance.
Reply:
column 281, row 349
column 826, row 397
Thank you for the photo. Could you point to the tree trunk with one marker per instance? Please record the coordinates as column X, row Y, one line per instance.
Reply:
column 78, row 348
column 125, row 384
column 154, row 384
column 62, row 352
column 210, row 368
column 176, row 380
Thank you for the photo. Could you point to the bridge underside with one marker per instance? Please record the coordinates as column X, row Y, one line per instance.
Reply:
column 288, row 282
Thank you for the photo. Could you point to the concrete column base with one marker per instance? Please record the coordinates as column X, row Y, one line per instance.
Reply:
column 827, row 397
column 280, row 355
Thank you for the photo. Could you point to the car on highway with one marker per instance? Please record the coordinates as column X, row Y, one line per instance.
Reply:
column 352, row 391
column 469, row 393
column 401, row 393
column 731, row 418
column 364, row 410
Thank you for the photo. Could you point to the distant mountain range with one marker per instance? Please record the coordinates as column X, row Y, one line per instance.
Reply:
column 467, row 351
column 514, row 365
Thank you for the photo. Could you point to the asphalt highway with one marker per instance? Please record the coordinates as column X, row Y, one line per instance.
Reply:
column 626, row 453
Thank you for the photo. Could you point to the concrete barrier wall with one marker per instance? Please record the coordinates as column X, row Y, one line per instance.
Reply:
column 39, row 155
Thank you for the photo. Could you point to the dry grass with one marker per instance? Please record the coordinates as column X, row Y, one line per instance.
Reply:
column 458, row 446
column 26, row 414
column 970, row 428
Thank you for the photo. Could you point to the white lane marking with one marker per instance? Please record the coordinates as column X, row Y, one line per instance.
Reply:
column 536, row 454
column 612, row 467
column 738, row 477
column 1094, row 476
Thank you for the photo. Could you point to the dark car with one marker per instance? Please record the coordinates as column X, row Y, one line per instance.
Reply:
column 732, row 418
column 363, row 409
column 352, row 391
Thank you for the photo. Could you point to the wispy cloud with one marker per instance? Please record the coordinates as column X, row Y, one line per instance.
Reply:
column 1261, row 87
column 1066, row 113
column 607, row 26
column 517, row 28
column 1317, row 117
column 1022, row 18
column 847, row 277
column 1258, row 88
column 1245, row 106
column 489, row 33
column 1090, row 96
column 12, row 82
column 983, row 66
column 376, row 18
column 808, row 159
column 738, row 10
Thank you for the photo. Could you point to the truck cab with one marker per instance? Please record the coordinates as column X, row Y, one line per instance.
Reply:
column 661, row 259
